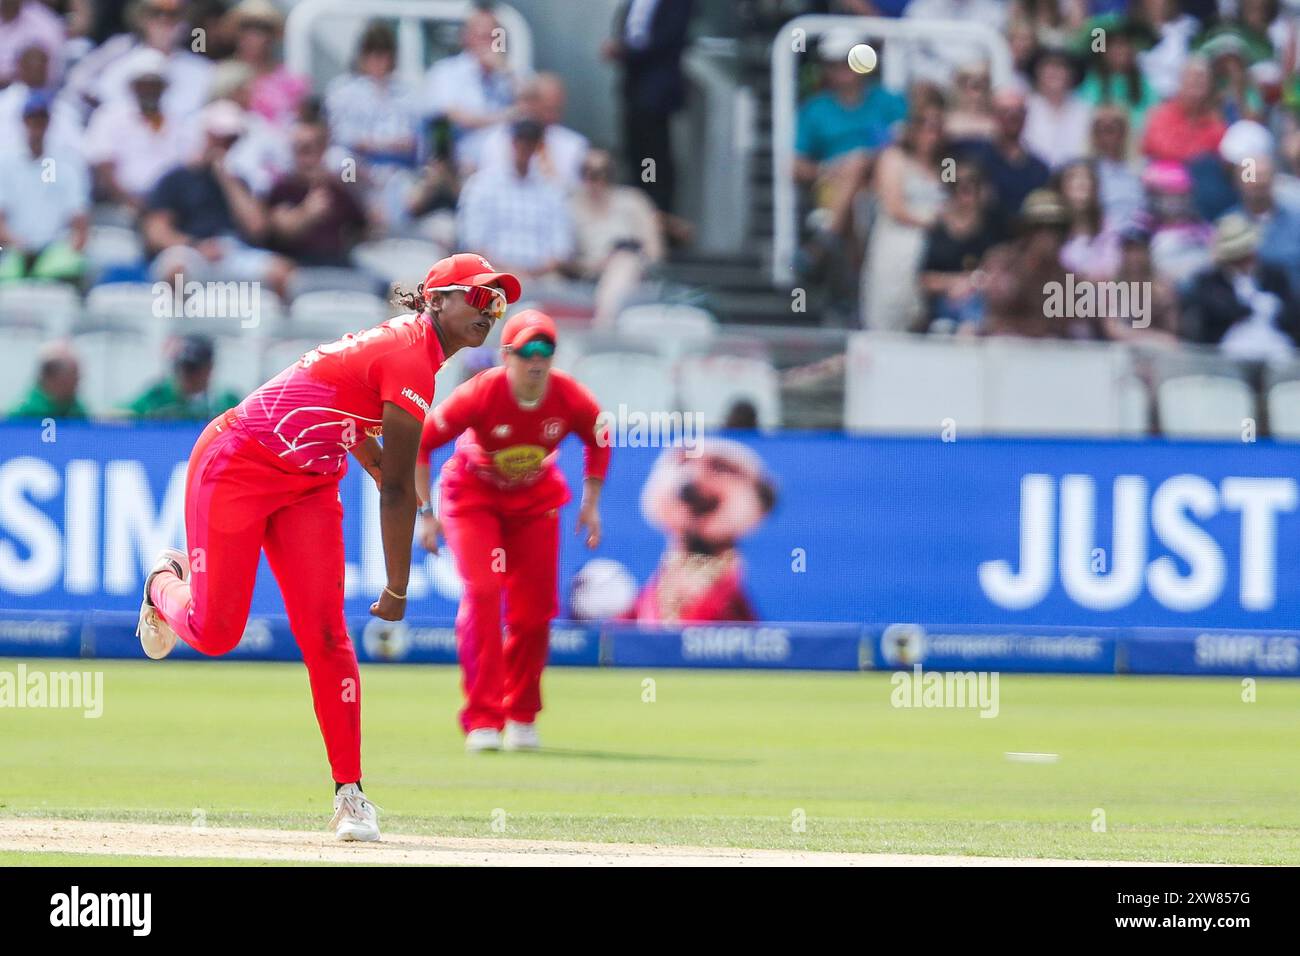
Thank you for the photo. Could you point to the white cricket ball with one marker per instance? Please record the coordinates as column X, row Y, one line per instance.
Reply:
column 862, row 58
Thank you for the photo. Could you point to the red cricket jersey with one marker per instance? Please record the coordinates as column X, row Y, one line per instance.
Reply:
column 506, row 452
column 333, row 397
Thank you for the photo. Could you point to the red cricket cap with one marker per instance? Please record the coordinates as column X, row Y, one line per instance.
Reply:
column 468, row 268
column 522, row 327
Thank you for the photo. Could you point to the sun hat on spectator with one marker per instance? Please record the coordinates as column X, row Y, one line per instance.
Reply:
column 222, row 118
column 1246, row 139
column 257, row 12
column 1235, row 238
column 145, row 63
column 836, row 44
column 1167, row 176
column 1044, row 207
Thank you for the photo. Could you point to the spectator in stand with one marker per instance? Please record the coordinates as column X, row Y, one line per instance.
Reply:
column 1011, row 168
column 1118, row 183
column 1027, row 273
column 315, row 217
column 649, row 39
column 1235, row 93
column 967, row 228
column 971, row 116
column 187, row 394
column 936, row 60
column 617, row 235
column 129, row 145
column 910, row 194
column 560, row 156
column 373, row 114
column 1057, row 121
column 1277, row 222
column 44, row 218
column 1180, row 240
column 262, row 154
column 837, row 136
column 1092, row 247
column 202, row 222
column 1116, row 79
column 159, row 27
column 1244, row 306
column 518, row 220
column 276, row 93
column 1189, row 125
column 25, row 23
column 33, row 75
column 54, row 395
column 473, row 90
column 1161, row 325
column 1161, row 64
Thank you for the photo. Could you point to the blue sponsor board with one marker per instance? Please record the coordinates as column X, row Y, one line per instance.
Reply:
column 759, row 646
column 1263, row 654
column 41, row 634
column 1032, row 650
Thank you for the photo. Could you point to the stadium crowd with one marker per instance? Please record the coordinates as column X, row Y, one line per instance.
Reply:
column 179, row 120
column 1138, row 141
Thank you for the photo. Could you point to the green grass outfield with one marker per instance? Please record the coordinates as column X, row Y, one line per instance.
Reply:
column 1183, row 769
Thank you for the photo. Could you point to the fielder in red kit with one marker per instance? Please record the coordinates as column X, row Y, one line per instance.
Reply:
column 264, row 477
column 501, row 492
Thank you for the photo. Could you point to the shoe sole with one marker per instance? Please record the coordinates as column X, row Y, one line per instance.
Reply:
column 349, row 837
column 147, row 605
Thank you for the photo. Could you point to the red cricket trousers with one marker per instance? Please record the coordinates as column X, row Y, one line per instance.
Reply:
column 240, row 499
column 501, row 553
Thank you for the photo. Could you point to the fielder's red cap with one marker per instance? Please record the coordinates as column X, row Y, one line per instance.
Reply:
column 522, row 327
column 468, row 268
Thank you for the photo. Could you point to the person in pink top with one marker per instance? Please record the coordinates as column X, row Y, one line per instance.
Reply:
column 265, row 475
column 1189, row 124
column 276, row 94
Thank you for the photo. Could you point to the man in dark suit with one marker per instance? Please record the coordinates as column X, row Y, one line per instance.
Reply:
column 648, row 41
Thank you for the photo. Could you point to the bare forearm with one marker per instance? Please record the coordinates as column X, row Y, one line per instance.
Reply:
column 397, row 503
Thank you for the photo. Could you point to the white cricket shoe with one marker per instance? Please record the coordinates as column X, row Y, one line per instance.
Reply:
column 156, row 636
column 355, row 817
column 481, row 739
column 519, row 736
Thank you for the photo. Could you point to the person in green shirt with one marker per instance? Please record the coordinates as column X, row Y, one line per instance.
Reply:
column 187, row 394
column 55, row 393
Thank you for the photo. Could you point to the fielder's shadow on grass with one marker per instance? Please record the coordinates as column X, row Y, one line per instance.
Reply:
column 644, row 758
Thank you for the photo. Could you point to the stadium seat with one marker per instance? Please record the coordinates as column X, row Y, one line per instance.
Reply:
column 18, row 361
column 333, row 313
column 238, row 362
column 1284, row 410
column 1053, row 388
column 905, row 383
column 673, row 330
column 640, row 381
column 1204, row 406
column 125, row 306
column 109, row 247
column 280, row 354
column 52, row 306
column 308, row 279
column 401, row 261
column 116, row 366
column 710, row 385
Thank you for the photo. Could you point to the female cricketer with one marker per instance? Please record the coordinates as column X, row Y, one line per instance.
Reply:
column 500, row 496
column 265, row 476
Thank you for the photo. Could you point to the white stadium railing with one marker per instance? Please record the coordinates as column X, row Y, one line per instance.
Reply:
column 301, row 28
column 801, row 34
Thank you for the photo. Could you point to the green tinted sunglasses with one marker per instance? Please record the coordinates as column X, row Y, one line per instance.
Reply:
column 536, row 348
